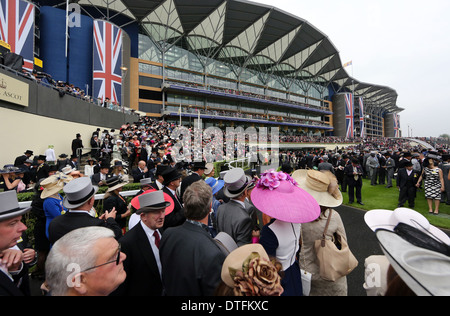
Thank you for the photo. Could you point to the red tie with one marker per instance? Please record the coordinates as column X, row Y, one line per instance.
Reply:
column 157, row 239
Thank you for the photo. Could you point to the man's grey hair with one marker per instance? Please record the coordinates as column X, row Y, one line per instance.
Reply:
column 197, row 200
column 71, row 254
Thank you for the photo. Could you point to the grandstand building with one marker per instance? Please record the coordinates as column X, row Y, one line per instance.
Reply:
column 229, row 62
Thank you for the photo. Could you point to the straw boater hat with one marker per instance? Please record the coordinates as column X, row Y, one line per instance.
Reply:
column 323, row 186
column 277, row 195
column 54, row 184
column 236, row 182
column 78, row 192
column 9, row 206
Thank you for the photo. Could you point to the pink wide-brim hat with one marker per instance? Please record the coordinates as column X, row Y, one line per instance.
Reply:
column 287, row 203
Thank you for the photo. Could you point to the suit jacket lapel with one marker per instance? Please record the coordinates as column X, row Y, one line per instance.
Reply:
column 9, row 286
column 146, row 248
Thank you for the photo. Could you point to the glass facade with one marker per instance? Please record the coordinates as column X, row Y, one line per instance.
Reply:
column 181, row 67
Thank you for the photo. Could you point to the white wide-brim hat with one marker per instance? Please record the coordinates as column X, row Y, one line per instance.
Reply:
column 386, row 219
column 425, row 272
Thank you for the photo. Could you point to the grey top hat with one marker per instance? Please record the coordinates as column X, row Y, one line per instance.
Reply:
column 78, row 192
column 152, row 201
column 145, row 181
column 9, row 206
column 225, row 242
column 236, row 182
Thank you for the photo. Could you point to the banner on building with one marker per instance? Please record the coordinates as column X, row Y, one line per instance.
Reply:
column 107, row 63
column 396, row 125
column 17, row 29
column 349, row 115
column 361, row 117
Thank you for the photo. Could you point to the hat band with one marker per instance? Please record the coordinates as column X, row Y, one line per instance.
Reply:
column 240, row 189
column 316, row 185
column 11, row 211
column 81, row 200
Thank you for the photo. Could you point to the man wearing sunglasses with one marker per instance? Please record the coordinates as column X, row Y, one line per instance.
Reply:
column 85, row 262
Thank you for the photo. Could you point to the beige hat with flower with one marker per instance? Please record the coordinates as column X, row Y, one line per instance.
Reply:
column 251, row 264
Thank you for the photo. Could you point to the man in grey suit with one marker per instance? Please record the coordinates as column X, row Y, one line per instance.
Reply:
column 232, row 217
column 390, row 167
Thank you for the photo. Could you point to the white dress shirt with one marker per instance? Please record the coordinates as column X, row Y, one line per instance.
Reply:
column 149, row 232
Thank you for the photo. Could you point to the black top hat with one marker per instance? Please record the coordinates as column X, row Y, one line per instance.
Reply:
column 63, row 156
column 199, row 165
column 170, row 174
column 160, row 169
column 29, row 152
column 42, row 157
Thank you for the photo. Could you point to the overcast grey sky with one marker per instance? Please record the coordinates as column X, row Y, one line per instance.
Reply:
column 403, row 44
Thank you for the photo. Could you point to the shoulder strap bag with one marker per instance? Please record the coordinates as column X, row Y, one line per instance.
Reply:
column 334, row 256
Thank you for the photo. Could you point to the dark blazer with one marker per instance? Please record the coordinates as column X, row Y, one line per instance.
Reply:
column 114, row 201
column 348, row 171
column 95, row 179
column 138, row 175
column 177, row 217
column 403, row 180
column 69, row 221
column 187, row 182
column 7, row 287
column 191, row 261
column 143, row 278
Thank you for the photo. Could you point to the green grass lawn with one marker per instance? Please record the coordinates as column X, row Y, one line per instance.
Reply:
column 379, row 197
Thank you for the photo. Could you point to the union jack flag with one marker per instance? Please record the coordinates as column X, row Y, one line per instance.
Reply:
column 349, row 117
column 17, row 29
column 361, row 116
column 107, row 74
column 396, row 125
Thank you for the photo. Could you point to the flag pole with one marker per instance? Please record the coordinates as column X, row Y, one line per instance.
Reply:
column 67, row 25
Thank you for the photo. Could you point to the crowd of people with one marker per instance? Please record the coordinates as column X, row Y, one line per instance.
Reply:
column 189, row 233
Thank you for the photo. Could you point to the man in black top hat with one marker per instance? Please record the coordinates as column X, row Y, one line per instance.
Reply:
column 406, row 183
column 77, row 143
column 172, row 180
column 42, row 169
column 198, row 169
column 21, row 159
column 100, row 178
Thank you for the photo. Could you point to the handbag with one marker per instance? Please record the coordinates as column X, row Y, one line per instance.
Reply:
column 334, row 256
